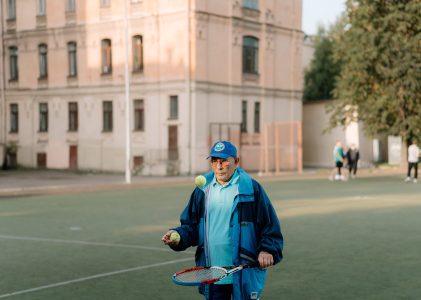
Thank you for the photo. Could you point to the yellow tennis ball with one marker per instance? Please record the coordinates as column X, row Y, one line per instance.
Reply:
column 200, row 181
column 175, row 237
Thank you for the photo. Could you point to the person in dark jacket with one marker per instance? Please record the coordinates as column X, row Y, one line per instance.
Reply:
column 231, row 221
column 353, row 155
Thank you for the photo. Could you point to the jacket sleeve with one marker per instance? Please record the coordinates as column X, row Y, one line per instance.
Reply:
column 190, row 221
column 271, row 239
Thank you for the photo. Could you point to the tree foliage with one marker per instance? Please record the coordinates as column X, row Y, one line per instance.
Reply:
column 380, row 78
column 319, row 78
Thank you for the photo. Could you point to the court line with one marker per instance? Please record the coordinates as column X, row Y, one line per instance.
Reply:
column 93, row 277
column 27, row 238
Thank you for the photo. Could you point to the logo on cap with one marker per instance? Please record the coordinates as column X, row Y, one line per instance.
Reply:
column 219, row 147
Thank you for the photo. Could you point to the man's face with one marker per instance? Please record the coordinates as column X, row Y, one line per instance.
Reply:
column 223, row 168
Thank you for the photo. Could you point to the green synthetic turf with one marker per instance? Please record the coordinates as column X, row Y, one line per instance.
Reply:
column 343, row 240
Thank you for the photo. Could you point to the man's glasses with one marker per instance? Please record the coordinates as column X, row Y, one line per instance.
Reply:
column 215, row 161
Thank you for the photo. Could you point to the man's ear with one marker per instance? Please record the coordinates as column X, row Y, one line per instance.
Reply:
column 237, row 160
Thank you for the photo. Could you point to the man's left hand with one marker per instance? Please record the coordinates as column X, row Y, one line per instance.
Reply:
column 265, row 259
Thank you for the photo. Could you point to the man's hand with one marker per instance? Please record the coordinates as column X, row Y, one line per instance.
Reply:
column 265, row 259
column 166, row 238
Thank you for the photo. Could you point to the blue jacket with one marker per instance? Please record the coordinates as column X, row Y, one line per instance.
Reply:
column 254, row 228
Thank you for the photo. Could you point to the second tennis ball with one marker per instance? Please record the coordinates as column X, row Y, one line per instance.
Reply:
column 200, row 181
column 175, row 237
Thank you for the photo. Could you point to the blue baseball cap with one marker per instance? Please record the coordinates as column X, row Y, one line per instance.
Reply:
column 223, row 149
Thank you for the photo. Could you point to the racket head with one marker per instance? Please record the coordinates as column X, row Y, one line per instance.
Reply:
column 199, row 275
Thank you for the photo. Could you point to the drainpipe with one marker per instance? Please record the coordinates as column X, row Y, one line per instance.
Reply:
column 2, row 85
column 190, row 100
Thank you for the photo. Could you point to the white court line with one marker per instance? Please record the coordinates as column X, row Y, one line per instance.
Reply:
column 93, row 277
column 26, row 238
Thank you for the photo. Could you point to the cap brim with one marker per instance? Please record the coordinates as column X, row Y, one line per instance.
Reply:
column 219, row 155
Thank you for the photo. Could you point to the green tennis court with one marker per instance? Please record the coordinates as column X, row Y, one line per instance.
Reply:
column 343, row 240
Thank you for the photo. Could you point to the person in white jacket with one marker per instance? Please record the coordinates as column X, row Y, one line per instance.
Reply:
column 413, row 157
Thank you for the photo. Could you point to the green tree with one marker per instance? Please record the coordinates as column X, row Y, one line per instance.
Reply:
column 319, row 78
column 380, row 78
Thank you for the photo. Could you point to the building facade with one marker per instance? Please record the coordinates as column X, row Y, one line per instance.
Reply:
column 198, row 71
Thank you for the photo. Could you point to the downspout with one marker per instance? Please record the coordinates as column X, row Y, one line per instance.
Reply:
column 2, row 85
column 190, row 100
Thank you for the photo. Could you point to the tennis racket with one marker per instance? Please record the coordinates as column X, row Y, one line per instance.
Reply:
column 207, row 275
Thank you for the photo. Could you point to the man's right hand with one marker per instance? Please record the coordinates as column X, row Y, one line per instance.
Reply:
column 166, row 239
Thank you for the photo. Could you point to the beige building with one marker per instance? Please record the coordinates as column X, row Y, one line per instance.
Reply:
column 198, row 71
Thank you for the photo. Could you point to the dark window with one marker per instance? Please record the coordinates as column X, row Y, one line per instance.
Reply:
column 43, row 117
column 71, row 5
column 14, row 118
column 73, row 116
column 106, row 65
column 11, row 9
column 257, row 117
column 250, row 54
column 104, row 3
column 244, row 116
column 43, row 62
column 174, row 107
column 72, row 54
column 13, row 61
column 139, row 115
column 253, row 4
column 137, row 53
column 41, row 7
column 107, row 112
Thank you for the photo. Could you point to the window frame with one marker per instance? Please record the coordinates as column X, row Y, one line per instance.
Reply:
column 11, row 9
column 43, row 117
column 257, row 112
column 43, row 60
column 173, row 107
column 14, row 117
column 107, row 116
column 137, row 53
column 106, row 57
column 243, row 126
column 13, row 63
column 73, row 117
column 72, row 58
column 41, row 8
column 250, row 55
column 139, row 115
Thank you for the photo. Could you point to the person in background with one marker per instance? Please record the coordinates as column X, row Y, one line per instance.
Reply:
column 338, row 157
column 231, row 221
column 353, row 155
column 413, row 157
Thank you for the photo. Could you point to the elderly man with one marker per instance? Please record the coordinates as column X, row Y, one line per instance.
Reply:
column 231, row 221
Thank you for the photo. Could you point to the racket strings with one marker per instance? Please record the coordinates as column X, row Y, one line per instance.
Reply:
column 201, row 275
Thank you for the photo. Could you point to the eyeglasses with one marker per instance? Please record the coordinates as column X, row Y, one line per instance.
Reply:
column 215, row 161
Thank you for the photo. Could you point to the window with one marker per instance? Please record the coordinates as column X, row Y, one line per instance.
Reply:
column 13, row 62
column 106, row 56
column 11, row 9
column 41, row 7
column 14, row 118
column 244, row 116
column 107, row 112
column 174, row 107
column 43, row 63
column 250, row 54
column 71, row 50
column 139, row 115
column 137, row 53
column 104, row 3
column 257, row 117
column 252, row 4
column 71, row 5
column 43, row 117
column 73, row 116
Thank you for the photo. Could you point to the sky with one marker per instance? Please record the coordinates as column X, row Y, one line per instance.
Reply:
column 317, row 12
